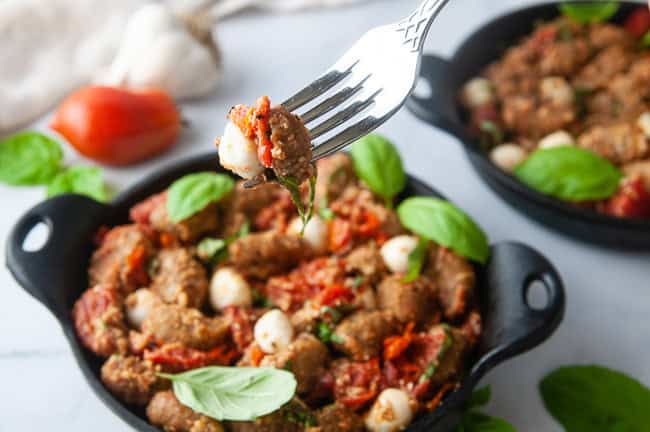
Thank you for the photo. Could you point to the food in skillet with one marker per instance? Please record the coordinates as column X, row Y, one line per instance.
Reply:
column 215, row 314
column 567, row 110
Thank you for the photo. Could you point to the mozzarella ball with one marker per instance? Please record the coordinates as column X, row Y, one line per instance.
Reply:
column 229, row 288
column 477, row 92
column 273, row 331
column 556, row 139
column 315, row 232
column 508, row 156
column 557, row 91
column 238, row 153
column 138, row 305
column 644, row 123
column 396, row 251
column 391, row 412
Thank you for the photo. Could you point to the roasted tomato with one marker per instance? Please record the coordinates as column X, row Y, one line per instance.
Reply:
column 177, row 357
column 116, row 126
column 638, row 23
column 357, row 383
column 631, row 201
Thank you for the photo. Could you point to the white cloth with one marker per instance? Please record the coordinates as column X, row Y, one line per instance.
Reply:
column 50, row 47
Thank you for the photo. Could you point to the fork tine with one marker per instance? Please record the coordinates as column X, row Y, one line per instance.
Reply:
column 332, row 102
column 345, row 137
column 316, row 88
column 342, row 116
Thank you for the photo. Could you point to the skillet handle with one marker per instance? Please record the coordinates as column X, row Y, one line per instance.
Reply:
column 433, row 107
column 48, row 272
column 512, row 325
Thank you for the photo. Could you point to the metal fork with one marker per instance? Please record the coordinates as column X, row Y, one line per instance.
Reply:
column 374, row 78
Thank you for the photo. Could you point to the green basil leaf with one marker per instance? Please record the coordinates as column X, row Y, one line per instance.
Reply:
column 192, row 193
column 81, row 180
column 291, row 184
column 570, row 173
column 29, row 158
column 590, row 12
column 377, row 162
column 233, row 393
column 445, row 224
column 480, row 397
column 478, row 422
column 416, row 260
column 594, row 398
column 209, row 248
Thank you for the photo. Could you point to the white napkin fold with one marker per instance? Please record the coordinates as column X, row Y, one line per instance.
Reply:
column 50, row 47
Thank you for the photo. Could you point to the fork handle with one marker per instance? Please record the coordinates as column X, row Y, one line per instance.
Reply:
column 416, row 26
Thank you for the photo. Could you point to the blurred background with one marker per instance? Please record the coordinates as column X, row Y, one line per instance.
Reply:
column 273, row 51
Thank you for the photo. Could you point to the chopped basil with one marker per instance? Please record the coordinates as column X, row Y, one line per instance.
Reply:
column 645, row 41
column 416, row 260
column 327, row 335
column 433, row 366
column 260, row 300
column 212, row 250
column 292, row 185
column 300, row 417
column 334, row 314
column 492, row 135
column 358, row 281
column 233, row 393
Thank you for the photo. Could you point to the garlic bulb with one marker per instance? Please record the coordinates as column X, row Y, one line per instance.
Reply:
column 159, row 49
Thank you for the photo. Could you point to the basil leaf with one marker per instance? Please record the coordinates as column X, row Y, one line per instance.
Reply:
column 377, row 162
column 416, row 260
column 81, row 180
column 29, row 158
column 570, row 173
column 593, row 398
column 445, row 224
column 192, row 193
column 590, row 12
column 327, row 335
column 480, row 397
column 292, row 185
column 478, row 422
column 233, row 393
column 209, row 248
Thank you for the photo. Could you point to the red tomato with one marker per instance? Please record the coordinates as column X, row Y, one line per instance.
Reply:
column 116, row 126
column 638, row 23
column 631, row 201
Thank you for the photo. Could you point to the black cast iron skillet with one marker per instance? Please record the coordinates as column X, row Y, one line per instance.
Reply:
column 443, row 110
column 56, row 276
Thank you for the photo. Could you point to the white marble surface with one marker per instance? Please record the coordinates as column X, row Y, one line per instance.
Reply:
column 607, row 320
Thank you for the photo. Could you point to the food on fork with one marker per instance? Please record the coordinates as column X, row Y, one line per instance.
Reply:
column 266, row 142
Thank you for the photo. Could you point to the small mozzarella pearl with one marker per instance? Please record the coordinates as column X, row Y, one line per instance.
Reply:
column 508, row 156
column 273, row 331
column 229, row 288
column 556, row 90
column 556, row 139
column 315, row 232
column 238, row 153
column 644, row 123
column 478, row 92
column 396, row 251
column 138, row 305
column 391, row 412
